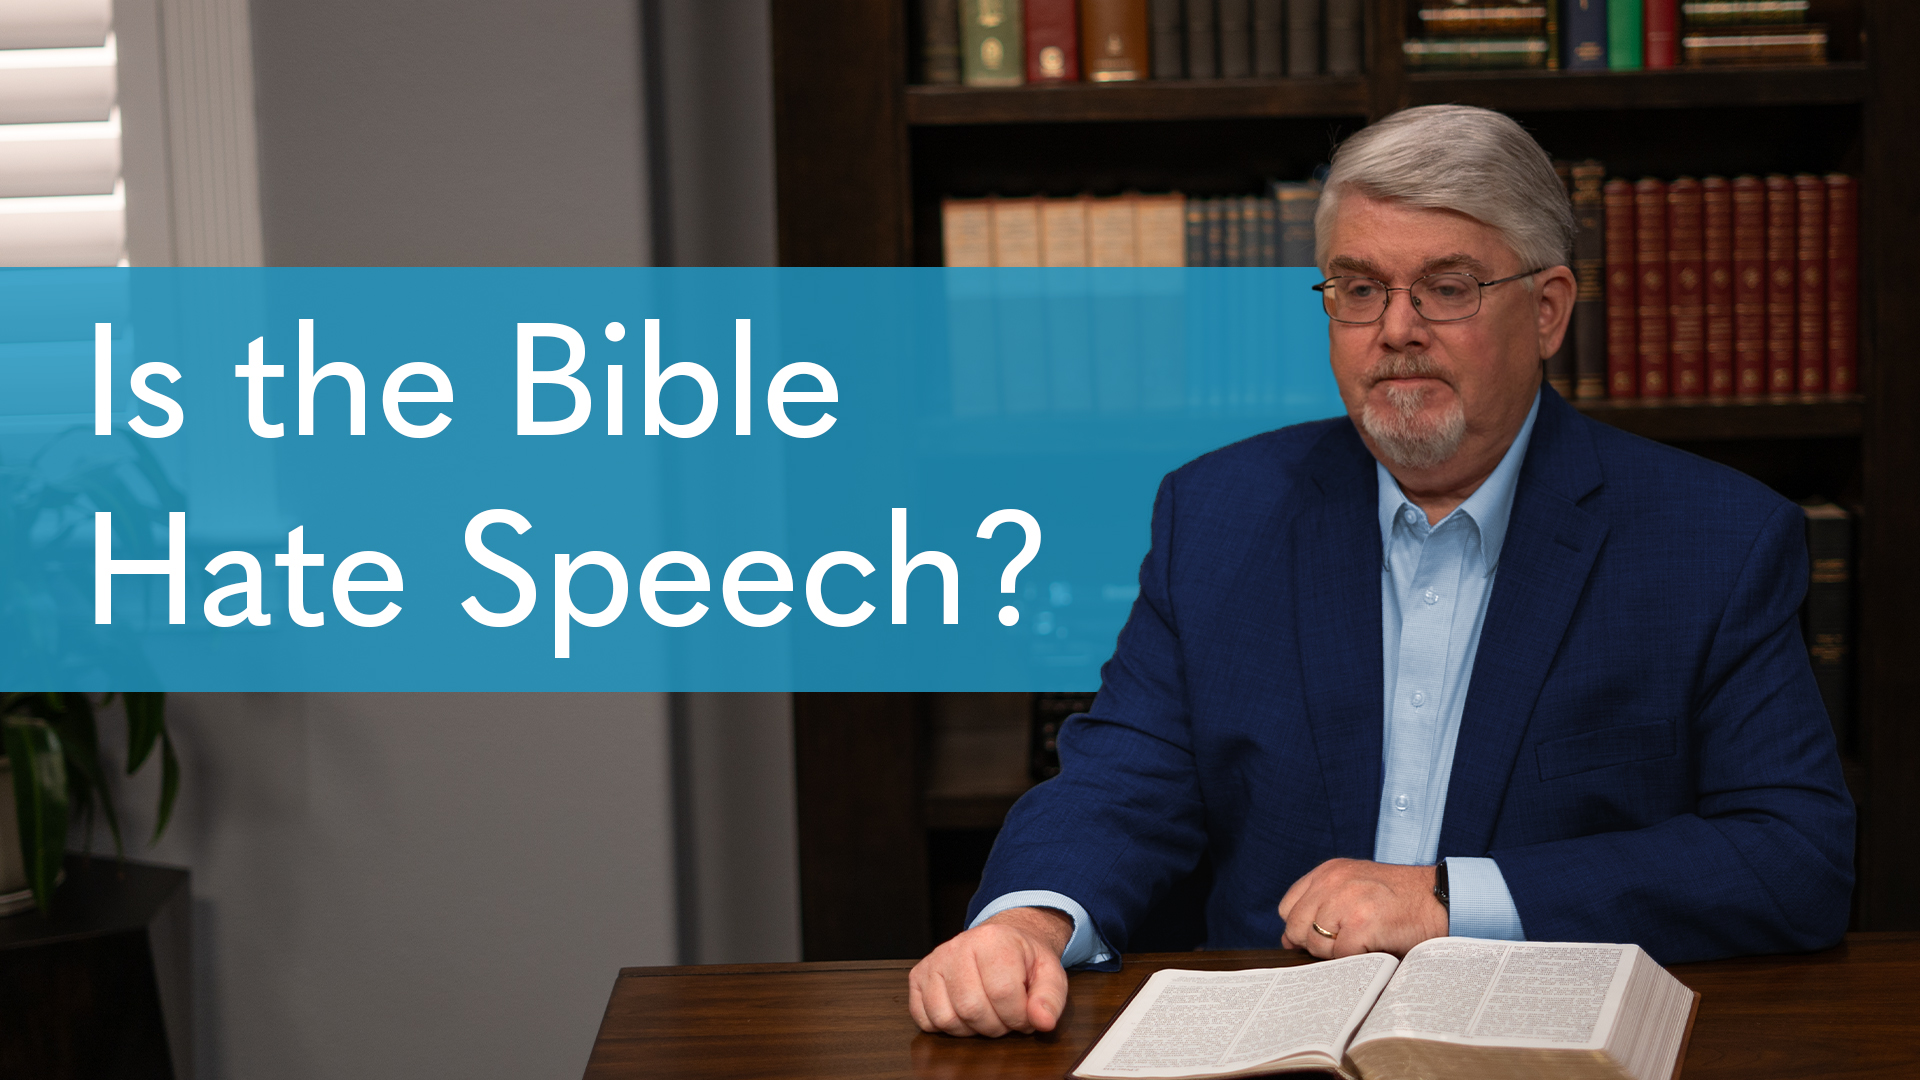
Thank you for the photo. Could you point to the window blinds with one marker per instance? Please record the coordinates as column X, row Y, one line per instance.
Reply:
column 62, row 202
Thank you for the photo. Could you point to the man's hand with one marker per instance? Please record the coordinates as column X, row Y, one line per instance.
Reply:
column 1003, row 975
column 1372, row 907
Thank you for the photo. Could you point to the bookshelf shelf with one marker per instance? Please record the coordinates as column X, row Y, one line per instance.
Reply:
column 1527, row 91
column 1692, row 423
column 931, row 106
column 1541, row 91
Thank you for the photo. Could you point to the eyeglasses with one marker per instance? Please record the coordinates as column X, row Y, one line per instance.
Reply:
column 1447, row 297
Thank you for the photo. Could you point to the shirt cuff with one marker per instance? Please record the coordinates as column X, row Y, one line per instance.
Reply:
column 1478, row 903
column 1086, row 947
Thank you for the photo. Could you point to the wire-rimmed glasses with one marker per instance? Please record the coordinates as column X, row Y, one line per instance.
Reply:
column 1444, row 297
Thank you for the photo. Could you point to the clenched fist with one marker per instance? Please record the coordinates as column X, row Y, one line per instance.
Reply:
column 1003, row 975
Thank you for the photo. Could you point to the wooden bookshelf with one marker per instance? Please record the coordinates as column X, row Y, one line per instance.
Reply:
column 1678, row 88
column 1219, row 99
column 1767, row 421
column 929, row 106
column 864, row 158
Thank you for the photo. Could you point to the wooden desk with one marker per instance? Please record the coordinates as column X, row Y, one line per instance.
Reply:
column 1853, row 1012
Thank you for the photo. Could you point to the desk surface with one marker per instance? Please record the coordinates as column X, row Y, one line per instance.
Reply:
column 1853, row 1011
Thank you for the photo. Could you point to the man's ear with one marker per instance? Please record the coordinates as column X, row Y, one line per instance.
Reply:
column 1555, row 289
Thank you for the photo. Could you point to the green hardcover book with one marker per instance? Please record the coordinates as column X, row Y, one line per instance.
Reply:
column 991, row 40
column 1624, row 35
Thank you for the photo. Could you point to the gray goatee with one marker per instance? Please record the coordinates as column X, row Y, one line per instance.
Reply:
column 1408, row 436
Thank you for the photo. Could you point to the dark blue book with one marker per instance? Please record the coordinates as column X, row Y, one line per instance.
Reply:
column 1197, row 231
column 1583, row 34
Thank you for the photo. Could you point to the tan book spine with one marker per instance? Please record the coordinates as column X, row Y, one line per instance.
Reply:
column 966, row 231
column 1110, row 239
column 1160, row 230
column 1063, row 232
column 1016, row 232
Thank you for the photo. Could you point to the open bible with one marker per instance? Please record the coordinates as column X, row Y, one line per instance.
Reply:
column 1454, row 1008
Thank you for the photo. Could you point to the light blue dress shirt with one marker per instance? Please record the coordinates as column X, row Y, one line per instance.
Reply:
column 1435, row 581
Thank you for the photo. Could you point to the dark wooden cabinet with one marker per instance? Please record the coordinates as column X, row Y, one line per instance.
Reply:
column 100, row 989
column 864, row 158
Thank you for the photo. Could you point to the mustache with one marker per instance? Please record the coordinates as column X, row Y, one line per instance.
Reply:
column 1408, row 366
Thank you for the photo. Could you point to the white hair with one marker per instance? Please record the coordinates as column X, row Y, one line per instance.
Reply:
column 1456, row 157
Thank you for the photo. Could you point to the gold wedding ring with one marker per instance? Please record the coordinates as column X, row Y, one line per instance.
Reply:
column 1324, row 932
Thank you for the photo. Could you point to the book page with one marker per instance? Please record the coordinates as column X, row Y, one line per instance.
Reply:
column 1555, row 993
column 1532, row 994
column 1201, row 1023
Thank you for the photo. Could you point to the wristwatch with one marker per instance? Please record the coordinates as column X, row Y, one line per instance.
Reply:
column 1440, row 884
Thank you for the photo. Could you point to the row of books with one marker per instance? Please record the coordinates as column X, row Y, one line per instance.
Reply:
column 1275, row 229
column 1124, row 230
column 1714, row 290
column 1011, row 42
column 1617, row 35
column 1709, row 290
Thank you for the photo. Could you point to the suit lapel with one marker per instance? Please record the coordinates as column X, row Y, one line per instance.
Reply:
column 1335, row 548
column 1550, row 549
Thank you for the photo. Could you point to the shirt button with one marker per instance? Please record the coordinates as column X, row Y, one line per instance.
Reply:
column 1409, row 515
column 1431, row 597
column 1401, row 802
column 1419, row 698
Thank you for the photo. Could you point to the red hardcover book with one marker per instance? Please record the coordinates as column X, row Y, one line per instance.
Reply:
column 1811, row 254
column 1650, row 253
column 1661, row 26
column 1783, row 292
column 1053, row 41
column 1843, row 285
column 1716, row 202
column 1686, row 289
column 1749, row 288
column 1623, row 292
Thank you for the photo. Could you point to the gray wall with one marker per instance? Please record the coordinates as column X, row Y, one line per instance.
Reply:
column 450, row 132
column 739, row 864
column 423, row 885
column 715, row 137
column 414, row 885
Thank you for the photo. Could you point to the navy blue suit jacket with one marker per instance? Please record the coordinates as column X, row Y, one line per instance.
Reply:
column 1643, row 749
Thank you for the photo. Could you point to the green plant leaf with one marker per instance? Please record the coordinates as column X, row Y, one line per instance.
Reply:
column 146, row 721
column 40, row 798
column 169, row 784
column 71, row 715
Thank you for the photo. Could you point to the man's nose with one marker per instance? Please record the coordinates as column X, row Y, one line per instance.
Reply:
column 1402, row 325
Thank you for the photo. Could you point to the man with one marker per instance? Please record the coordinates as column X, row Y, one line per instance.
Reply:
column 1463, row 661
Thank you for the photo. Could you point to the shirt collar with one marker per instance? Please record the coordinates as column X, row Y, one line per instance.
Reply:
column 1490, row 506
